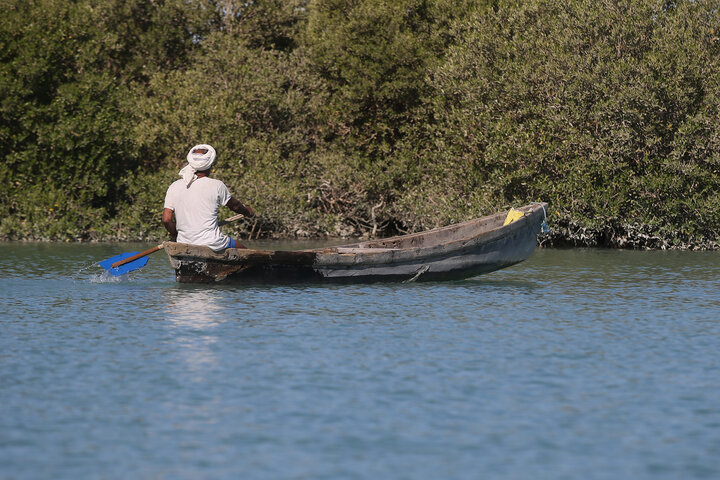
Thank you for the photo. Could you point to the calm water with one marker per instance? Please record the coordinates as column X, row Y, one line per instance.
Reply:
column 577, row 364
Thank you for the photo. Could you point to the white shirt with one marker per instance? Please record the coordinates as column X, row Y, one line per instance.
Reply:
column 196, row 208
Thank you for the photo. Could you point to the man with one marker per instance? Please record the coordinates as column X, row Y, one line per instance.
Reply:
column 195, row 200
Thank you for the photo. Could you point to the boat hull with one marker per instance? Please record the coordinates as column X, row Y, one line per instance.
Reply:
column 449, row 253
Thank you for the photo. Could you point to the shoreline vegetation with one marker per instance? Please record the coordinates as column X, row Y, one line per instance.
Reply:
column 364, row 118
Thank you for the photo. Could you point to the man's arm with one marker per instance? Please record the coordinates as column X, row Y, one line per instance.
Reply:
column 236, row 206
column 169, row 223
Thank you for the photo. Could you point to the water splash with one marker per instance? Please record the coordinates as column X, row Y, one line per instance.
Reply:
column 90, row 272
column 106, row 277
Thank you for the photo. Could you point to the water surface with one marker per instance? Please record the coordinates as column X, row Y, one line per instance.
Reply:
column 591, row 364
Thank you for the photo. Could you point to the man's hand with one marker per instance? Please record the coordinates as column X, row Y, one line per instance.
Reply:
column 236, row 206
column 169, row 222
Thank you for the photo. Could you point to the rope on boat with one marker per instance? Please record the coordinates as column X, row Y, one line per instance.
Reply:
column 544, row 228
column 422, row 270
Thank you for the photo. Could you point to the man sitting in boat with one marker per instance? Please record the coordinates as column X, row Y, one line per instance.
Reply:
column 195, row 200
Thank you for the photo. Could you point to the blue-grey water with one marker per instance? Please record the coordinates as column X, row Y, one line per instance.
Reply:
column 576, row 364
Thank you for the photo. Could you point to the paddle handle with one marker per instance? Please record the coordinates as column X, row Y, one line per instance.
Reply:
column 136, row 256
column 231, row 219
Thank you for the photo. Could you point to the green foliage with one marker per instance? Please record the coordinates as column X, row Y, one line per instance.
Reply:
column 591, row 106
column 363, row 116
column 373, row 56
column 62, row 138
column 264, row 24
column 66, row 71
column 135, row 38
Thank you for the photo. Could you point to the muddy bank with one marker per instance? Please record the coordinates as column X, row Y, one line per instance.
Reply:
column 566, row 234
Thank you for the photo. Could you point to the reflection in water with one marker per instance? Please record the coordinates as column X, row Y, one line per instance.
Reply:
column 195, row 314
column 193, row 308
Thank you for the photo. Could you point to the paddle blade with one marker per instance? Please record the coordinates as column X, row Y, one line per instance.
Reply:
column 123, row 269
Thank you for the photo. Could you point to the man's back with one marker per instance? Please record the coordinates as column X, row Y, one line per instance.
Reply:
column 196, row 208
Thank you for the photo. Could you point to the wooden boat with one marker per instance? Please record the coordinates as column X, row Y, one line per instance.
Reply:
column 453, row 252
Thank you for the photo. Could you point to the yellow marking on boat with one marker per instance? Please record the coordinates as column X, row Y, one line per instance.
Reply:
column 513, row 215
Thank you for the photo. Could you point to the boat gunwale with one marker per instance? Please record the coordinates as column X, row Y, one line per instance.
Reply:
column 328, row 256
column 471, row 240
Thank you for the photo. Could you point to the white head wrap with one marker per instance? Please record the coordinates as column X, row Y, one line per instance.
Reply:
column 197, row 162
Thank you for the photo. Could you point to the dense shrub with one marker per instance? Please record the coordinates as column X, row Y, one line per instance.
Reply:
column 349, row 117
column 608, row 110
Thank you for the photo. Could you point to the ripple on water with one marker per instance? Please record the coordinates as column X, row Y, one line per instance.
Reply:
column 586, row 364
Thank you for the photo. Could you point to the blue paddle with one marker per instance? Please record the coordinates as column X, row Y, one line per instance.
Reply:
column 127, row 262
